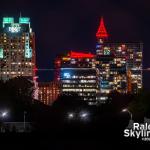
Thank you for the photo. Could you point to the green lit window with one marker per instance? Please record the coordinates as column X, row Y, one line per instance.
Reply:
column 1, row 53
column 7, row 20
column 24, row 20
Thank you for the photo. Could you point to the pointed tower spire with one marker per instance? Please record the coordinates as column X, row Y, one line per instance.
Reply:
column 102, row 32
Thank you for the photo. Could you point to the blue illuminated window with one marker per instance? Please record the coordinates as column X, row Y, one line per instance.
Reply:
column 67, row 75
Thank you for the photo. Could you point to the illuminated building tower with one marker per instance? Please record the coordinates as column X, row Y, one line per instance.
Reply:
column 119, row 65
column 134, row 66
column 79, row 75
column 17, row 48
column 104, row 62
column 48, row 92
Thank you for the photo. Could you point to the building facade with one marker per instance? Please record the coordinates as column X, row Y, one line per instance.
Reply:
column 78, row 75
column 48, row 92
column 119, row 65
column 17, row 48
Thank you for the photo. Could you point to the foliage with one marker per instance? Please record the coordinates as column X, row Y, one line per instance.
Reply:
column 16, row 95
column 140, row 106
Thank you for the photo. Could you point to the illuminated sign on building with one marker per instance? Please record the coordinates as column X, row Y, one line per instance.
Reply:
column 15, row 28
column 106, row 51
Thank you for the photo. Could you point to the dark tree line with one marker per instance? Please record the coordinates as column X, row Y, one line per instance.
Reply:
column 137, row 104
column 16, row 96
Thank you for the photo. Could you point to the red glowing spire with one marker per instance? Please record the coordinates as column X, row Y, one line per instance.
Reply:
column 102, row 32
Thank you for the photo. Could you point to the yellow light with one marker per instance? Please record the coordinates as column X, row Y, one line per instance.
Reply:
column 66, row 58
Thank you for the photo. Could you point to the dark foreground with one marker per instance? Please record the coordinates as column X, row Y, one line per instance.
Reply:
column 70, row 137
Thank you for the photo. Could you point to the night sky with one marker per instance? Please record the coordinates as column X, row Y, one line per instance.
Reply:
column 71, row 25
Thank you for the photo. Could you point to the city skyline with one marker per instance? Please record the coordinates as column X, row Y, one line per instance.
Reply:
column 64, row 31
column 75, row 71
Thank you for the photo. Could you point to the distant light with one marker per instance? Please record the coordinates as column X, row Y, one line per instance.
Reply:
column 4, row 114
column 71, row 115
column 124, row 110
column 84, row 115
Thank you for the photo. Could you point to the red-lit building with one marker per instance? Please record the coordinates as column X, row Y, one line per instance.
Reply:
column 115, row 67
column 119, row 64
column 77, row 74
column 48, row 92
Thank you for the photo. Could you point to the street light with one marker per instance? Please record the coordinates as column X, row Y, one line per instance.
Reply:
column 71, row 115
column 84, row 115
column 126, row 110
column 81, row 115
column 3, row 114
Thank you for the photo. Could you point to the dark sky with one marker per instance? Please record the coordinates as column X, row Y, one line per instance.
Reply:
column 62, row 25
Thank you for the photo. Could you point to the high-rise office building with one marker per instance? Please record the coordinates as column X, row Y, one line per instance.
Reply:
column 119, row 64
column 78, row 75
column 17, row 48
column 48, row 92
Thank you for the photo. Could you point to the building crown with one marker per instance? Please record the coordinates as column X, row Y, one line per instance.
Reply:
column 102, row 32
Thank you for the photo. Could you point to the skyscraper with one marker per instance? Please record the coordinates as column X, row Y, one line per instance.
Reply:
column 48, row 92
column 119, row 64
column 78, row 75
column 17, row 48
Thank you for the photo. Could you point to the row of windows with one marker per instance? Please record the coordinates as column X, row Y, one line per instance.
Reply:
column 83, row 86
column 79, row 90
column 81, row 81
column 16, row 72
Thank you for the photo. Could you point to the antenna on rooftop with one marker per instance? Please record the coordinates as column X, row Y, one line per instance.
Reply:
column 20, row 14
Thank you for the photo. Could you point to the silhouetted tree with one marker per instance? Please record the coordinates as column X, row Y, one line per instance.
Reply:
column 117, row 101
column 67, row 103
column 16, row 95
column 140, row 106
